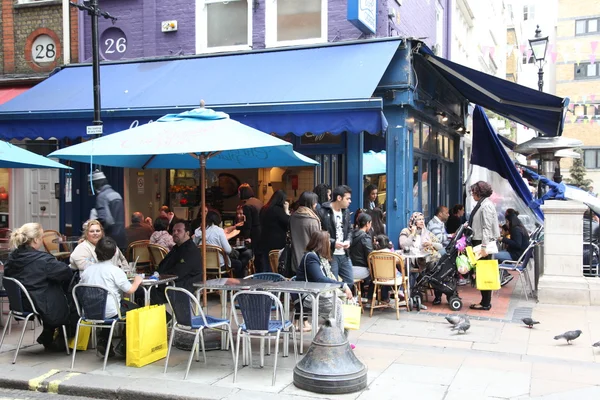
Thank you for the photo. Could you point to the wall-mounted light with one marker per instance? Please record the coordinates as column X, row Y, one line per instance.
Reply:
column 444, row 116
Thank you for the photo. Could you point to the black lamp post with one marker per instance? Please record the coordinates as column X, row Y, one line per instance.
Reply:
column 539, row 45
column 93, row 10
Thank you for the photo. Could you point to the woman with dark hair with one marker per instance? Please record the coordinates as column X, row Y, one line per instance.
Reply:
column 250, row 207
column 516, row 243
column 484, row 224
column 216, row 236
column 361, row 246
column 303, row 223
column 274, row 223
column 161, row 236
column 315, row 267
column 378, row 223
column 370, row 199
column 323, row 192
column 455, row 219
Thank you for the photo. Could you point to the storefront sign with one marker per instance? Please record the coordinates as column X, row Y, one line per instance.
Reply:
column 140, row 185
column 325, row 138
column 363, row 15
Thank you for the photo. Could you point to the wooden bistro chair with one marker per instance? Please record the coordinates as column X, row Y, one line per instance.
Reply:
column 52, row 245
column 274, row 261
column 157, row 254
column 139, row 248
column 383, row 272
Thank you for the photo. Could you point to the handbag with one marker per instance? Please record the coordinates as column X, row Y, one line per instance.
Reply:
column 488, row 275
column 351, row 313
column 462, row 264
column 284, row 265
column 491, row 247
column 146, row 335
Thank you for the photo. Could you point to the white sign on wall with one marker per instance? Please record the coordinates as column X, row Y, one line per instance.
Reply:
column 140, row 184
column 363, row 15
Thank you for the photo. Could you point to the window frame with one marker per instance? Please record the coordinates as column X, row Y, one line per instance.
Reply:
column 202, row 28
column 585, row 65
column 587, row 26
column 271, row 27
column 528, row 12
column 596, row 151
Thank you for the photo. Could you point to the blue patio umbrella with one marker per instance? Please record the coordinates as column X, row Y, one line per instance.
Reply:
column 200, row 137
column 12, row 156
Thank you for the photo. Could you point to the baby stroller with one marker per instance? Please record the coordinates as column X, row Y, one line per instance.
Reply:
column 442, row 276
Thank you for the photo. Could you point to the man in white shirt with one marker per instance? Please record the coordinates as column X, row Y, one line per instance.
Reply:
column 106, row 274
column 437, row 226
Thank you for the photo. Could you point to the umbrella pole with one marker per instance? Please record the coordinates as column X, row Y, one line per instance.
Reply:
column 203, row 207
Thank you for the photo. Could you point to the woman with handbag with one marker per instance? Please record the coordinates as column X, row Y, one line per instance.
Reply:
column 315, row 267
column 484, row 223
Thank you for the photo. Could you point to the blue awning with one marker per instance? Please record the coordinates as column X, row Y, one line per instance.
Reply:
column 298, row 82
column 537, row 110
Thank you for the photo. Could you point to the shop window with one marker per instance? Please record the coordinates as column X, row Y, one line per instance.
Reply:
column 292, row 22
column 425, row 134
column 425, row 189
column 587, row 26
column 417, row 136
column 223, row 25
column 587, row 70
column 451, row 149
column 530, row 60
column 591, row 158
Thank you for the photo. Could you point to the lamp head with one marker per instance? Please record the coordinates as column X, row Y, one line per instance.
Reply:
column 539, row 45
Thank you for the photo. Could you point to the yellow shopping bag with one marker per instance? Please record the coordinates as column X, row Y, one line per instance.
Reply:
column 83, row 339
column 487, row 275
column 146, row 330
column 351, row 314
column 471, row 255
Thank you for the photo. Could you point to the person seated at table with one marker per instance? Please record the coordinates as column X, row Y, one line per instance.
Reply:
column 161, row 236
column 85, row 253
column 184, row 261
column 361, row 246
column 315, row 267
column 383, row 243
column 138, row 229
column 46, row 279
column 378, row 221
column 437, row 227
column 417, row 238
column 217, row 236
column 104, row 273
column 516, row 244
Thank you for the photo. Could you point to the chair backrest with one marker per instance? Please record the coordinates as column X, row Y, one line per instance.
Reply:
column 526, row 256
column 256, row 307
column 139, row 249
column 267, row 276
column 274, row 260
column 213, row 262
column 18, row 296
column 383, row 265
column 90, row 301
column 157, row 253
column 51, row 241
column 183, row 304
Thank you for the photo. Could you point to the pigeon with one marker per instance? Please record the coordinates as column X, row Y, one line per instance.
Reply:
column 597, row 344
column 529, row 322
column 454, row 319
column 569, row 336
column 463, row 326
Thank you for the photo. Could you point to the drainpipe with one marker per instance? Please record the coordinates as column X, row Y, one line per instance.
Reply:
column 66, row 32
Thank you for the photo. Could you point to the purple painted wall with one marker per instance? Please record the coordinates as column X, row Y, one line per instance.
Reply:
column 140, row 22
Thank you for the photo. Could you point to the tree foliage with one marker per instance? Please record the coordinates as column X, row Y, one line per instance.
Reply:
column 578, row 172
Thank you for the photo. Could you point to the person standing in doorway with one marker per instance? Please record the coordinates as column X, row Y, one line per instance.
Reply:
column 335, row 218
column 110, row 210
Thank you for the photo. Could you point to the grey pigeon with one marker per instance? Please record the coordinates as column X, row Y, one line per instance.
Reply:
column 529, row 322
column 569, row 336
column 454, row 319
column 462, row 327
column 597, row 344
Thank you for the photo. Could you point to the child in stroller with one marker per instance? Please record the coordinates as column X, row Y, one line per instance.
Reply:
column 442, row 276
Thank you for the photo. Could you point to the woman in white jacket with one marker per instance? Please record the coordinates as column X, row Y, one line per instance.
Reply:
column 85, row 252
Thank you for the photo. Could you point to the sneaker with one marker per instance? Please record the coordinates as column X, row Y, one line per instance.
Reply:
column 423, row 307
column 462, row 282
column 437, row 302
column 101, row 350
column 505, row 279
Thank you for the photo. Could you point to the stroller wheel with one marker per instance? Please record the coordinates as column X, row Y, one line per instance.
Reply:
column 418, row 303
column 455, row 303
column 410, row 304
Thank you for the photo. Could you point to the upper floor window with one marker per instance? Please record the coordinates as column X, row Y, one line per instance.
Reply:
column 293, row 22
column 591, row 158
column 587, row 26
column 223, row 25
column 530, row 60
column 587, row 70
column 528, row 12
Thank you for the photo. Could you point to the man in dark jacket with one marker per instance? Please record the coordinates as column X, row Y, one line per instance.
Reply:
column 138, row 230
column 184, row 260
column 335, row 218
column 110, row 210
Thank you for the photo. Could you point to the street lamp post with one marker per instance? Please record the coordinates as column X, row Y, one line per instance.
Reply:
column 539, row 45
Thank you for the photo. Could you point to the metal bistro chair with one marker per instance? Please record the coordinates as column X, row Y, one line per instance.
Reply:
column 157, row 254
column 139, row 248
column 16, row 293
column 257, row 323
column 520, row 266
column 591, row 259
column 90, row 301
column 383, row 271
column 186, row 320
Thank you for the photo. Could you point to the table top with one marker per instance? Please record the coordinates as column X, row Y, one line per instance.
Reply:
column 300, row 286
column 161, row 279
column 230, row 284
column 411, row 255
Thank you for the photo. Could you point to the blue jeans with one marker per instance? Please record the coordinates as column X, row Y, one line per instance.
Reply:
column 341, row 266
column 501, row 256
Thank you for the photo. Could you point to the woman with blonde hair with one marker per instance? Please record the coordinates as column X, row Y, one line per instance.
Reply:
column 85, row 252
column 44, row 278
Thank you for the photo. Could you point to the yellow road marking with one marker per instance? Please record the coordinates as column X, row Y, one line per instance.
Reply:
column 53, row 385
column 34, row 383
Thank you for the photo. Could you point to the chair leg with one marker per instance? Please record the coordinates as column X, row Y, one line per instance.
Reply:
column 8, row 321
column 237, row 354
column 295, row 342
column 203, row 349
column 523, row 285
column 21, row 338
column 373, row 299
column 397, row 302
column 75, row 346
column 406, row 293
column 189, row 364
column 110, row 334
column 64, row 329
column 276, row 356
column 169, row 349
column 231, row 341
column 262, row 352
